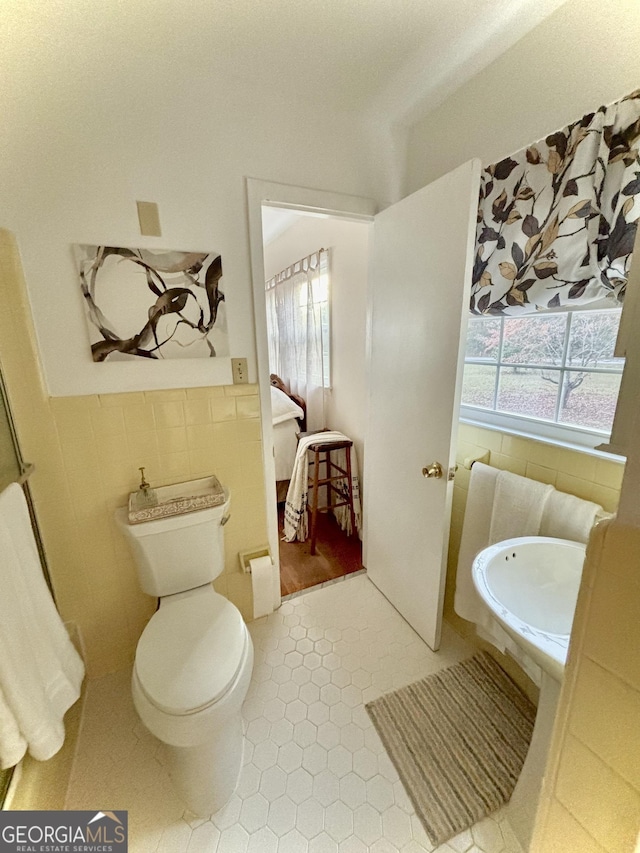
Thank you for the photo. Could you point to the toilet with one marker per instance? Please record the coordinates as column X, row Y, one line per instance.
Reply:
column 194, row 659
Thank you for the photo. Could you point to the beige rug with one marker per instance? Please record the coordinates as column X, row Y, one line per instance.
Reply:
column 458, row 740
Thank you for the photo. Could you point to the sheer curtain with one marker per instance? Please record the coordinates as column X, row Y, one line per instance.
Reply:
column 297, row 327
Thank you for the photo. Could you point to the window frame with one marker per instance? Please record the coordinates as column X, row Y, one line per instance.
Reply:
column 529, row 426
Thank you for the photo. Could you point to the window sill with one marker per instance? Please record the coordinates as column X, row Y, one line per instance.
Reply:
column 508, row 429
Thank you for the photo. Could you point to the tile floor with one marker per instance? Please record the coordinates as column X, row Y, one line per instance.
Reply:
column 316, row 778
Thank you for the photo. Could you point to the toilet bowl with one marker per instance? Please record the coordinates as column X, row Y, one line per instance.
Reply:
column 194, row 659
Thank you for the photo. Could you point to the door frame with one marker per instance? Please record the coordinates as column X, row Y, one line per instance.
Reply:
column 259, row 193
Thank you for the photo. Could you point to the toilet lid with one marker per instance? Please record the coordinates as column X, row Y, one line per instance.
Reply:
column 190, row 652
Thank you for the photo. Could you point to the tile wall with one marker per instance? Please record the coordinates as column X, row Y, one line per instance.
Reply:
column 571, row 471
column 87, row 451
column 591, row 794
column 176, row 435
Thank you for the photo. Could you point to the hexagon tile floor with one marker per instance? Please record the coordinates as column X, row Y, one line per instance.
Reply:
column 316, row 778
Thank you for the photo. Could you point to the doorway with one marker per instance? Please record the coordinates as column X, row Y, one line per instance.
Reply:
column 434, row 229
column 337, row 249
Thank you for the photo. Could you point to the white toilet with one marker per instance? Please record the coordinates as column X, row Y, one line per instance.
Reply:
column 194, row 659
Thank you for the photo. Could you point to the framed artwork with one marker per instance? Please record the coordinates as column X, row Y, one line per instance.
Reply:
column 155, row 304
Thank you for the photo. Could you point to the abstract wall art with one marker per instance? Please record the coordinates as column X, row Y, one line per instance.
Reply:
column 154, row 304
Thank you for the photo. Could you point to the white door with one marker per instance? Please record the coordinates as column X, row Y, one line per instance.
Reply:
column 419, row 290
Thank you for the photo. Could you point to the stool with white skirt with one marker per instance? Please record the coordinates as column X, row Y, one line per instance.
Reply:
column 336, row 452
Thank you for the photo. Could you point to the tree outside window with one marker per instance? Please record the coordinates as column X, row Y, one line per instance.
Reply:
column 556, row 367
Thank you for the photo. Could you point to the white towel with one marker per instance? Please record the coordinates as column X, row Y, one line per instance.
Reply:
column 568, row 517
column 475, row 537
column 500, row 505
column 517, row 507
column 40, row 671
column 296, row 523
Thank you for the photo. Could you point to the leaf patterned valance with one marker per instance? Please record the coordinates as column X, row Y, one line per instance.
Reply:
column 557, row 221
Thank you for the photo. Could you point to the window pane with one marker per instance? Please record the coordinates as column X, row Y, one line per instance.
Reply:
column 593, row 337
column 526, row 391
column 589, row 399
column 483, row 338
column 534, row 340
column 478, row 385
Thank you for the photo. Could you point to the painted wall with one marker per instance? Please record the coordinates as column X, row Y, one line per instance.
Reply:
column 87, row 449
column 80, row 142
column 91, row 127
column 349, row 246
column 582, row 56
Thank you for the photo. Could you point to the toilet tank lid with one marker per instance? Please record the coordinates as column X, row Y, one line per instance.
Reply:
column 189, row 653
column 153, row 526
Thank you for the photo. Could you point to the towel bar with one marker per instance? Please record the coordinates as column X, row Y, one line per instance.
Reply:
column 479, row 457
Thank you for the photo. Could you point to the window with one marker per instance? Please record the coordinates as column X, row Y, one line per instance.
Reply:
column 298, row 305
column 551, row 374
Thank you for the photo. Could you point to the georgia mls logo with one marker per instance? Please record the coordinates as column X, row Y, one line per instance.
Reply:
column 63, row 832
column 119, row 832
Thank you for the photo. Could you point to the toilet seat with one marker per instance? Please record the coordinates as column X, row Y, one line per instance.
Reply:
column 190, row 653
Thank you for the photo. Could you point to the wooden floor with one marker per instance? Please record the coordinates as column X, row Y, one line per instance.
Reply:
column 336, row 555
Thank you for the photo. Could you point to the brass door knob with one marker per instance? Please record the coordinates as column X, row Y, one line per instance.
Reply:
column 433, row 471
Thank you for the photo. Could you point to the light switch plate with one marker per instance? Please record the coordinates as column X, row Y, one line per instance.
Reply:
column 240, row 371
column 149, row 219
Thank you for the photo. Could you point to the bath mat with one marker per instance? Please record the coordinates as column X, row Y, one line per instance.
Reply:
column 458, row 740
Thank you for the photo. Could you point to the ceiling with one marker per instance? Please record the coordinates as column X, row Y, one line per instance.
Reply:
column 396, row 57
column 277, row 220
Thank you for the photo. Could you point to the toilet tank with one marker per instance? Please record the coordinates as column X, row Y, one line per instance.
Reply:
column 180, row 552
